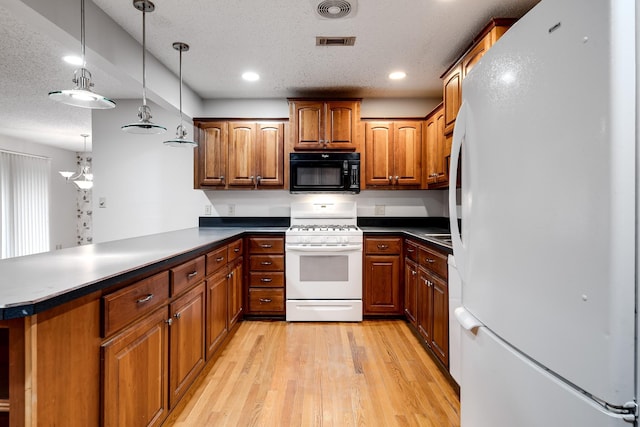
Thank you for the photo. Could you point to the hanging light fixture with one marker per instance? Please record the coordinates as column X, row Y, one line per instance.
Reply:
column 181, row 133
column 82, row 95
column 144, row 124
column 83, row 178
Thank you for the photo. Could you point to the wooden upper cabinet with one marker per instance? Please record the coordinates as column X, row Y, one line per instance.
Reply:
column 393, row 153
column 452, row 95
column 452, row 79
column 240, row 154
column 269, row 156
column 325, row 125
column 242, row 140
column 437, row 155
column 211, row 154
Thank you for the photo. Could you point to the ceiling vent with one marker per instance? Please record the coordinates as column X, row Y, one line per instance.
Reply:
column 335, row 9
column 335, row 41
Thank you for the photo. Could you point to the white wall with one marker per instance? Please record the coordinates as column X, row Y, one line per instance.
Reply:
column 62, row 202
column 403, row 203
column 147, row 186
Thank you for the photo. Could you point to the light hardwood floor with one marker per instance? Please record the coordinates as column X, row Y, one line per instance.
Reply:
column 373, row 373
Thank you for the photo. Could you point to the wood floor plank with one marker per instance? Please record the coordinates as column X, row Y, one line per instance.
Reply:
column 373, row 373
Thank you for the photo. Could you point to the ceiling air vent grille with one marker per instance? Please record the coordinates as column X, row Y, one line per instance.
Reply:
column 335, row 41
column 335, row 9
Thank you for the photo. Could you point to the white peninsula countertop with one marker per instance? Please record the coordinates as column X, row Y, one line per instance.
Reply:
column 34, row 283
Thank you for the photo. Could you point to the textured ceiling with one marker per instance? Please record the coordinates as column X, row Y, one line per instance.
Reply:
column 275, row 38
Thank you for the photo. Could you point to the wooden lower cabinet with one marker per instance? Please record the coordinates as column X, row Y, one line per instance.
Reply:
column 265, row 278
column 382, row 279
column 135, row 374
column 186, row 341
column 410, row 290
column 433, row 313
column 216, row 326
column 234, row 293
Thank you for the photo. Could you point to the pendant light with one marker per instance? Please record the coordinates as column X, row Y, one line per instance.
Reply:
column 144, row 124
column 181, row 133
column 83, row 178
column 82, row 95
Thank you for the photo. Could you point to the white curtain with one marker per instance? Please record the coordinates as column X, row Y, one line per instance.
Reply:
column 24, row 204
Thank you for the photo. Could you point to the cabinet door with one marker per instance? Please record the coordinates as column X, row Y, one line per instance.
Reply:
column 407, row 153
column 382, row 285
column 431, row 129
column 474, row 55
column 341, row 125
column 440, row 331
column 378, row 153
column 212, row 154
column 242, row 140
column 234, row 294
column 437, row 156
column 308, row 118
column 410, row 290
column 216, row 329
column 443, row 151
column 452, row 94
column 135, row 382
column 270, row 155
column 425, row 304
column 186, row 338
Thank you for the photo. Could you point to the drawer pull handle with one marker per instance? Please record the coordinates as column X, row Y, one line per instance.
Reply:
column 429, row 260
column 265, row 300
column 192, row 275
column 410, row 250
column 266, row 263
column 177, row 315
column 236, row 250
column 145, row 299
column 221, row 258
column 266, row 246
column 382, row 246
column 266, row 279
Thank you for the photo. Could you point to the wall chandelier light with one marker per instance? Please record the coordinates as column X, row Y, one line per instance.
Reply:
column 82, row 95
column 144, row 124
column 83, row 178
column 181, row 133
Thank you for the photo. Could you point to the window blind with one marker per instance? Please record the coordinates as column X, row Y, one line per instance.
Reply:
column 24, row 204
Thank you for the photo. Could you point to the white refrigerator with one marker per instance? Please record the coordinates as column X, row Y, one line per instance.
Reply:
column 547, row 248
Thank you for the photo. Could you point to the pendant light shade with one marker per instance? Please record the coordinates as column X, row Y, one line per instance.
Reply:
column 181, row 133
column 82, row 95
column 83, row 178
column 144, row 125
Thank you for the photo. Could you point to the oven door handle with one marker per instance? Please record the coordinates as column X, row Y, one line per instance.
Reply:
column 324, row 248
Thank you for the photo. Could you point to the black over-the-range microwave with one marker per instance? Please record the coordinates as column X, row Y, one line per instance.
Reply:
column 324, row 172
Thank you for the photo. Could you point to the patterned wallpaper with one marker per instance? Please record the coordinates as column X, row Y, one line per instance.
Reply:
column 84, row 226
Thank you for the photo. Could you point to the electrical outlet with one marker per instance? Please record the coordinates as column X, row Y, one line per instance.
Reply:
column 231, row 210
column 102, row 202
column 207, row 209
column 378, row 210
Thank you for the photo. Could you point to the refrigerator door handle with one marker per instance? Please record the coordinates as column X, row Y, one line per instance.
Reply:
column 467, row 320
column 459, row 135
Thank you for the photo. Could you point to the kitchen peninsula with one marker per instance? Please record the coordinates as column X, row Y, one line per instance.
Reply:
column 72, row 319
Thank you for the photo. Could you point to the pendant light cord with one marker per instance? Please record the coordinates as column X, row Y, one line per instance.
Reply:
column 82, row 40
column 181, row 117
column 144, row 70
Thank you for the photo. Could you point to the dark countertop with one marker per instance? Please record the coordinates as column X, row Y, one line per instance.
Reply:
column 34, row 283
column 418, row 233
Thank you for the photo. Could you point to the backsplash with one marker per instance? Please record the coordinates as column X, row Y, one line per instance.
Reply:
column 276, row 203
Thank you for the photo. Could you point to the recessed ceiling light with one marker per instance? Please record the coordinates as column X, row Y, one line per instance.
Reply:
column 397, row 75
column 72, row 59
column 250, row 76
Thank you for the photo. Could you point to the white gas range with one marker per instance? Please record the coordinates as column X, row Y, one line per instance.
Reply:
column 324, row 263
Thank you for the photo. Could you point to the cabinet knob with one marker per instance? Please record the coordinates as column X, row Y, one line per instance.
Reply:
column 397, row 178
column 390, row 179
column 413, row 272
column 169, row 321
column 177, row 315
column 221, row 177
column 383, row 246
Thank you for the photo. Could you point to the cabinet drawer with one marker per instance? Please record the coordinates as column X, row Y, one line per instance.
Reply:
column 266, row 245
column 411, row 250
column 235, row 250
column 383, row 245
column 125, row 305
column 266, row 279
column 187, row 274
column 266, row 300
column 266, row 263
column 216, row 260
column 433, row 261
